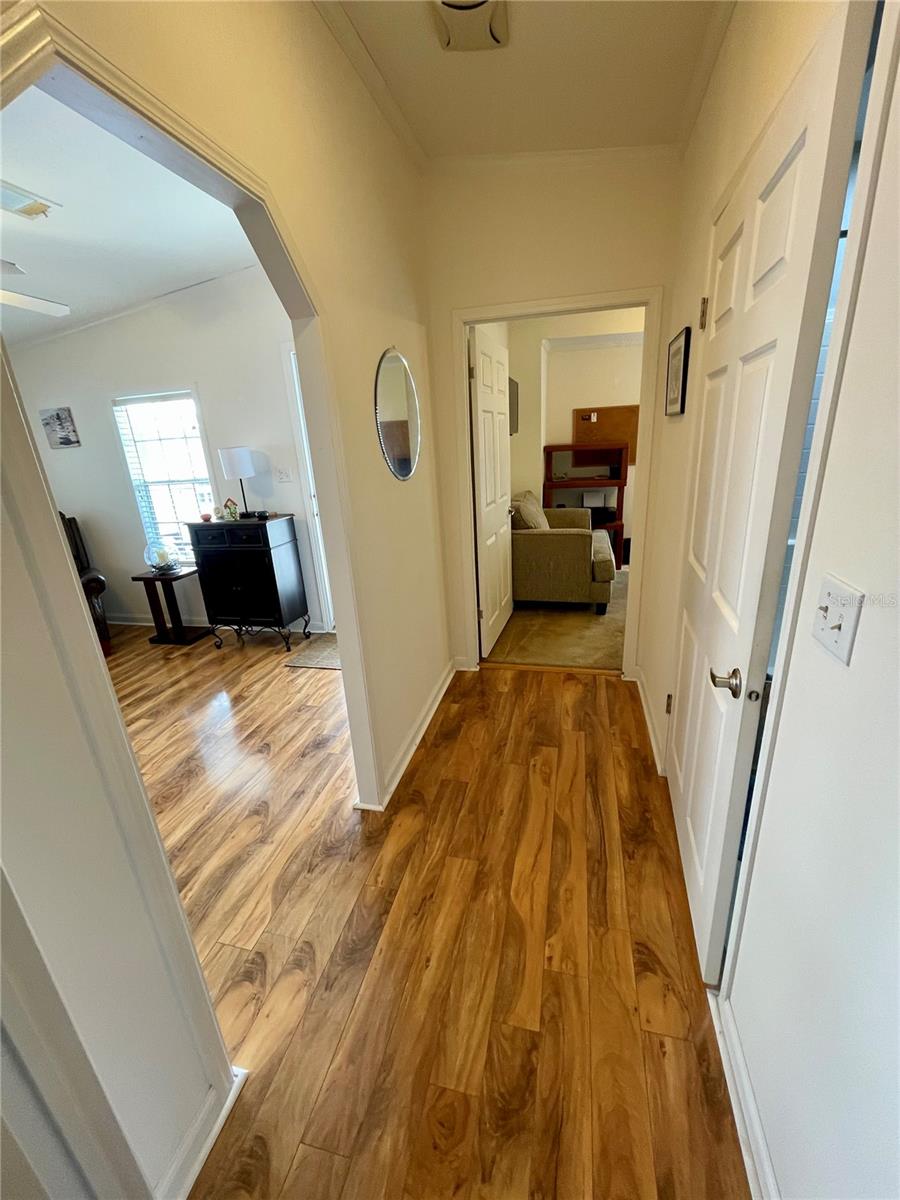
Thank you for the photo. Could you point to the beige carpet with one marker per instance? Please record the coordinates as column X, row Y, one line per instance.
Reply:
column 566, row 635
column 319, row 651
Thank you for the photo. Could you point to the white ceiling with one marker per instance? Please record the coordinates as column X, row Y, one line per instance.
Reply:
column 576, row 75
column 127, row 230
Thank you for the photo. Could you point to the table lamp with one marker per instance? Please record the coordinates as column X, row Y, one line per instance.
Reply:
column 237, row 463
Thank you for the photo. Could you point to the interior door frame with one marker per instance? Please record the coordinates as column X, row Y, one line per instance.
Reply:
column 651, row 300
column 308, row 485
column 39, row 49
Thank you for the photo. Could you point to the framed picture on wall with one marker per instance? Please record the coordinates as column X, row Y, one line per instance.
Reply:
column 59, row 426
column 677, row 373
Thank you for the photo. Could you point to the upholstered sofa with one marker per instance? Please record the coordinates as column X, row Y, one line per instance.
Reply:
column 562, row 559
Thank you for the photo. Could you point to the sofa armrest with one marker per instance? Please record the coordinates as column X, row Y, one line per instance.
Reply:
column 568, row 518
column 551, row 564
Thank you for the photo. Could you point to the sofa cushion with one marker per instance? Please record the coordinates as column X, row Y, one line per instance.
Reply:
column 604, row 564
column 527, row 512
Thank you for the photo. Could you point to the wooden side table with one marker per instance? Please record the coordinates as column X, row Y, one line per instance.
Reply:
column 179, row 634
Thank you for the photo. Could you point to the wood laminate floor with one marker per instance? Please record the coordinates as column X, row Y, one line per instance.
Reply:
column 490, row 991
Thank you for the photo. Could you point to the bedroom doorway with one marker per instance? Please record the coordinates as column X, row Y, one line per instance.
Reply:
column 559, row 405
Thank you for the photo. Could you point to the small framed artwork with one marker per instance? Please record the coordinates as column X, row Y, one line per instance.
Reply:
column 677, row 373
column 59, row 426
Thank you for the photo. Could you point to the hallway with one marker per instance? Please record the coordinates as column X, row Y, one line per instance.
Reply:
column 491, row 991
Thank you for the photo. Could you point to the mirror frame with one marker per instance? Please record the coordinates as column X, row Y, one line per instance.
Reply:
column 414, row 460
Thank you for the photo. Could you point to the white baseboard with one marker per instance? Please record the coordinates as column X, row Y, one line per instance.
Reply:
column 401, row 759
column 146, row 619
column 656, row 742
column 194, row 1150
column 757, row 1160
column 195, row 622
column 461, row 663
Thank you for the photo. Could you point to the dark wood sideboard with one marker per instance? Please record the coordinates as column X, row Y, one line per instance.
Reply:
column 250, row 575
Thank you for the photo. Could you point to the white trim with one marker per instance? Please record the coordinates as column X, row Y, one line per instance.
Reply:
column 883, row 81
column 37, row 1025
column 401, row 759
column 593, row 341
column 291, row 370
column 657, row 743
column 757, row 1160
column 143, row 619
column 343, row 30
column 177, row 1182
column 648, row 298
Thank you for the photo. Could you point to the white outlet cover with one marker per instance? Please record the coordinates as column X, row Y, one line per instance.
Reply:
column 283, row 475
column 837, row 617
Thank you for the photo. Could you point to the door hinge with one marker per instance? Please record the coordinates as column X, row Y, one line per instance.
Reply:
column 471, row 370
column 704, row 311
column 481, row 614
column 668, row 703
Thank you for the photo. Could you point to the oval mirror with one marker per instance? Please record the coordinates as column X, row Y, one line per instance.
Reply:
column 397, row 413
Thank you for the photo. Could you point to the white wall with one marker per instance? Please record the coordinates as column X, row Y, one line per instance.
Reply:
column 815, row 992
column 590, row 376
column 225, row 340
column 546, row 227
column 351, row 200
column 763, row 49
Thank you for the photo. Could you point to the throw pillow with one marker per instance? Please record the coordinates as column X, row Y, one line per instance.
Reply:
column 527, row 512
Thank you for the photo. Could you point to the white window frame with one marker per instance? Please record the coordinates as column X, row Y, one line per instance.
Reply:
column 156, row 397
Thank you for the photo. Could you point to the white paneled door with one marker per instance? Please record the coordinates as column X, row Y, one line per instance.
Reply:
column 489, row 363
column 772, row 251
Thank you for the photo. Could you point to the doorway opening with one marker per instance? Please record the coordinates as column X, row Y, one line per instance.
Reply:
column 560, row 416
column 173, row 371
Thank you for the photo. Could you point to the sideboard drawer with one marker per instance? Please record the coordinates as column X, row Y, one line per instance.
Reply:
column 208, row 537
column 245, row 535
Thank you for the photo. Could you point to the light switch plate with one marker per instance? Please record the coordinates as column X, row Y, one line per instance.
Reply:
column 283, row 475
column 837, row 617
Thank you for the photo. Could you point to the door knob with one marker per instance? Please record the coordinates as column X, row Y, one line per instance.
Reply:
column 510, row 511
column 732, row 681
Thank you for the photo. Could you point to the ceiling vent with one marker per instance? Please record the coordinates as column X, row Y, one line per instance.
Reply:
column 471, row 24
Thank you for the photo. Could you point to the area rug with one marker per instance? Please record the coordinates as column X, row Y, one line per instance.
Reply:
column 566, row 635
column 320, row 651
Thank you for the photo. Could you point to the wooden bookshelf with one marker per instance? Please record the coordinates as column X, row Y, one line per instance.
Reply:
column 610, row 461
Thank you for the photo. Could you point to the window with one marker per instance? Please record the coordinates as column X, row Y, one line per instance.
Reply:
column 164, row 452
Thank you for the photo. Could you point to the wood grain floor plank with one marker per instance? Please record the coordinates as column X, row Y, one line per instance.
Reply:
column 440, row 1166
column 521, row 972
column 607, row 894
column 622, row 1144
column 264, row 1160
column 694, row 1158
column 465, row 1026
column 315, row 1175
column 561, row 1163
column 219, row 966
column 239, row 1002
column 566, row 947
column 342, row 1102
column 381, row 1151
column 504, row 1140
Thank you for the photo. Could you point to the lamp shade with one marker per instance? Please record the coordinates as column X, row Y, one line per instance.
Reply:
column 237, row 462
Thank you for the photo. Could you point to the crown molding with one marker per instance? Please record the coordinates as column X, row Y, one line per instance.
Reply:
column 335, row 16
column 592, row 341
